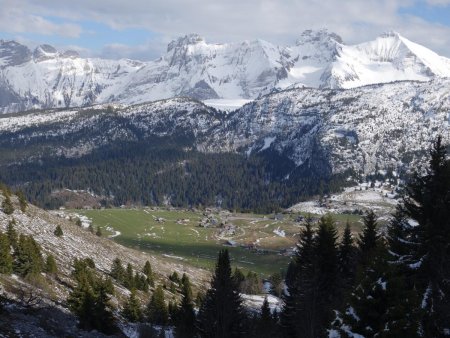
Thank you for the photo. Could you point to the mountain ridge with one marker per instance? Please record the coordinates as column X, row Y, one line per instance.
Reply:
column 47, row 78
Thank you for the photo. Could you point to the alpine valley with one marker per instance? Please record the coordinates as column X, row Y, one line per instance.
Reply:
column 321, row 115
column 322, row 168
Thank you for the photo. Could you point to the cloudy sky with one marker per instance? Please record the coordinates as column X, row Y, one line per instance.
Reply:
column 141, row 29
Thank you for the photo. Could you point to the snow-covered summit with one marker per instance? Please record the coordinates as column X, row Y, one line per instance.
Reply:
column 47, row 78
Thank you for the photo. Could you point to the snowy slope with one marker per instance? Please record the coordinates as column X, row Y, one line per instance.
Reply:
column 389, row 126
column 46, row 78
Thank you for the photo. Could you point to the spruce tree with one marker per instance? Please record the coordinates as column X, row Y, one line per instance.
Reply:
column 58, row 231
column 221, row 314
column 149, row 273
column 402, row 242
column 28, row 257
column 265, row 324
column 132, row 309
column 50, row 265
column 276, row 281
column 128, row 280
column 366, row 310
column 12, row 233
column 238, row 278
column 23, row 203
column 327, row 278
column 90, row 300
column 297, row 315
column 81, row 301
column 117, row 270
column 6, row 261
column 381, row 305
column 157, row 311
column 369, row 237
column 427, row 201
column 102, row 316
column 347, row 260
column 185, row 319
column 7, row 205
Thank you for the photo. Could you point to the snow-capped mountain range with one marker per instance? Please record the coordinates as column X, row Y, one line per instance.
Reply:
column 365, row 129
column 47, row 78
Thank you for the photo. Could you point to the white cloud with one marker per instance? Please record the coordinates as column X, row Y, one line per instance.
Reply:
column 147, row 51
column 439, row 2
column 16, row 20
column 277, row 21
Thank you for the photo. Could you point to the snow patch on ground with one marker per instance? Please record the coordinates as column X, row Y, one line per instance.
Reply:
column 255, row 302
column 226, row 104
column 358, row 198
column 267, row 142
column 279, row 232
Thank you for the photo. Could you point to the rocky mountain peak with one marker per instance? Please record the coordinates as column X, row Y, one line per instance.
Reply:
column 390, row 34
column 189, row 39
column 44, row 52
column 317, row 37
column 13, row 53
column 71, row 54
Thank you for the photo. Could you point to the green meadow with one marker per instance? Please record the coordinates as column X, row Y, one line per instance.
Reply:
column 259, row 241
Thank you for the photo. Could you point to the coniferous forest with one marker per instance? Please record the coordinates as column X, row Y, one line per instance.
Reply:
column 160, row 171
column 390, row 283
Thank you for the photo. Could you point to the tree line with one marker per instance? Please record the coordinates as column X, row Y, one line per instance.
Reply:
column 154, row 173
column 391, row 283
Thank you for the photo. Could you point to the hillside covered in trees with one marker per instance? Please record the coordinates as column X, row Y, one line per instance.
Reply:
column 386, row 282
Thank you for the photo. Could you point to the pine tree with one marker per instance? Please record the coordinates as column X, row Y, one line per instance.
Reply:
column 117, row 270
column 58, row 231
column 90, row 300
column 347, row 259
column 380, row 305
column 221, row 314
column 28, row 257
column 238, row 278
column 185, row 319
column 6, row 261
column 276, row 281
column 327, row 277
column 368, row 240
column 402, row 241
column 81, row 301
column 157, row 311
column 301, row 286
column 22, row 201
column 102, row 316
column 173, row 310
column 265, row 324
column 12, row 233
column 128, row 280
column 428, row 202
column 368, row 304
column 149, row 273
column 50, row 265
column 132, row 308
column 7, row 206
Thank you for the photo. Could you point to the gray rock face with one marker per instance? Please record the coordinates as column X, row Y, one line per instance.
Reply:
column 380, row 127
column 13, row 53
column 44, row 52
column 201, row 91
